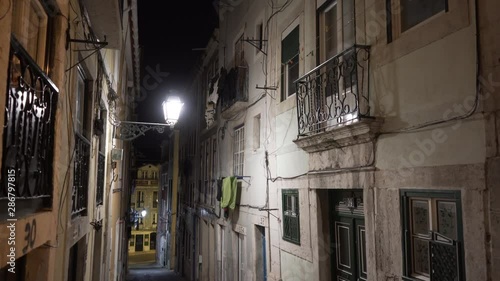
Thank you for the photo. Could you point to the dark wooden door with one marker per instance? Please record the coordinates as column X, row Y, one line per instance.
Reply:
column 139, row 240
column 348, row 236
column 152, row 241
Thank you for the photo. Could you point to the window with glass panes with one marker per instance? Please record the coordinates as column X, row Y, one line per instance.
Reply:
column 291, row 217
column 290, row 50
column 30, row 26
column 337, row 25
column 140, row 199
column 155, row 199
column 406, row 14
column 239, row 150
column 433, row 237
column 83, row 110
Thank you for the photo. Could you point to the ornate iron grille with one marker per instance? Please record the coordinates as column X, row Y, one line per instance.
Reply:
column 335, row 92
column 101, row 162
column 28, row 133
column 80, row 176
column 444, row 262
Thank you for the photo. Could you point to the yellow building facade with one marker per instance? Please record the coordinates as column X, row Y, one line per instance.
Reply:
column 145, row 198
column 68, row 69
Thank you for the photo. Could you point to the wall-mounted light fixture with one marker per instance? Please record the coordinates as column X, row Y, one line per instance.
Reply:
column 130, row 130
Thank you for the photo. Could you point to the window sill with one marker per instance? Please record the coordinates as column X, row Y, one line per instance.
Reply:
column 291, row 241
column 285, row 105
column 405, row 278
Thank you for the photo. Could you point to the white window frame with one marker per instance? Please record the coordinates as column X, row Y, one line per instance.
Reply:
column 239, row 151
column 286, row 92
column 396, row 17
column 140, row 198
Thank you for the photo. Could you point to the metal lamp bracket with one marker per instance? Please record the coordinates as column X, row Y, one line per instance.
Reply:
column 131, row 130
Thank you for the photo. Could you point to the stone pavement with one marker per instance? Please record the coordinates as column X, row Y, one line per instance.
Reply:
column 142, row 257
column 151, row 272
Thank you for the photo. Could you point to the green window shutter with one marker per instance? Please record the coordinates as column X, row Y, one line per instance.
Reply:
column 290, row 45
column 291, row 225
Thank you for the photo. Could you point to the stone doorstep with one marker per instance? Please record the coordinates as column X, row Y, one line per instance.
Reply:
column 361, row 131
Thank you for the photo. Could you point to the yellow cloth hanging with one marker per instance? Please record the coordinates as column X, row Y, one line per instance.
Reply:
column 229, row 192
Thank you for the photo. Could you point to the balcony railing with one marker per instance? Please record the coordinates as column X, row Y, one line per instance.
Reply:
column 81, row 176
column 28, row 134
column 146, row 182
column 235, row 87
column 101, row 162
column 335, row 93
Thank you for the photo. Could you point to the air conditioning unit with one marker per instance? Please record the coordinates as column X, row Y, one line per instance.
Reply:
column 116, row 154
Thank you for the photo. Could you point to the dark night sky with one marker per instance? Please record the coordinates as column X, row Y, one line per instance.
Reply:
column 168, row 31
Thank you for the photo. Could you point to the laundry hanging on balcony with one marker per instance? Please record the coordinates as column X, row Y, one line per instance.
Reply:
column 229, row 190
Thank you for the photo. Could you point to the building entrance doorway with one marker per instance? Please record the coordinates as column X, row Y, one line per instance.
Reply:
column 152, row 241
column 348, row 235
column 139, row 243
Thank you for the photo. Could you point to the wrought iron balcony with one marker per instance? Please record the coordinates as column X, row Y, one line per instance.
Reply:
column 234, row 94
column 335, row 93
column 101, row 164
column 146, row 182
column 28, row 134
column 80, row 176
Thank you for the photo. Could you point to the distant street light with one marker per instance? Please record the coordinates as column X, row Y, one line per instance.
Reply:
column 144, row 213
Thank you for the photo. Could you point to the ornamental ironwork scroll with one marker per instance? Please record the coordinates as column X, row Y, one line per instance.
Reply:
column 335, row 93
column 131, row 130
column 28, row 132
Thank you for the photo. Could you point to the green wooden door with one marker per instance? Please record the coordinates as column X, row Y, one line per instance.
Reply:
column 348, row 237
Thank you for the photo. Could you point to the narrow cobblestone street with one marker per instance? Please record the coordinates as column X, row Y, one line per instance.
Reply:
column 152, row 272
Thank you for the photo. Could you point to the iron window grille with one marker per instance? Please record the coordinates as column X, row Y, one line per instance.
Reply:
column 28, row 132
column 101, row 163
column 80, row 176
column 291, row 216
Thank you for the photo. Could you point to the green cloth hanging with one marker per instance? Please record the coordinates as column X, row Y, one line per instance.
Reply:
column 229, row 192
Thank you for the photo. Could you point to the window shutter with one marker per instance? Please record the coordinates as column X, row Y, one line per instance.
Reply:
column 291, row 227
